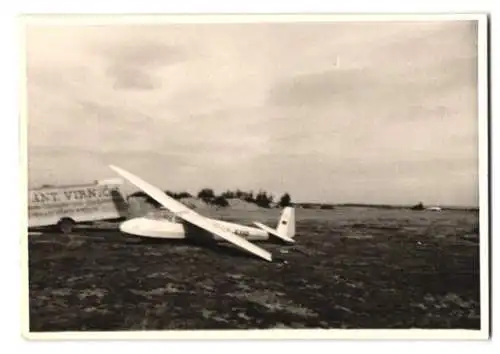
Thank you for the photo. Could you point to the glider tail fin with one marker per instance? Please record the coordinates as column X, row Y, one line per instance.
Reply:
column 286, row 225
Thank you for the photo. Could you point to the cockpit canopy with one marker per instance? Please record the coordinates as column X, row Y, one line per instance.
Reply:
column 162, row 214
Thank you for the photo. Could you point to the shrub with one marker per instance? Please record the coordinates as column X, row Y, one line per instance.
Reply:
column 206, row 194
column 419, row 206
column 228, row 194
column 285, row 200
column 263, row 199
column 326, row 207
column 183, row 195
column 220, row 201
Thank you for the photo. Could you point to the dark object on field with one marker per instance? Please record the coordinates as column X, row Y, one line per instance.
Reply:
column 419, row 206
column 220, row 201
column 65, row 225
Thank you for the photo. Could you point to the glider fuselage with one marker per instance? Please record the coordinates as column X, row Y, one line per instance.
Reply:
column 168, row 229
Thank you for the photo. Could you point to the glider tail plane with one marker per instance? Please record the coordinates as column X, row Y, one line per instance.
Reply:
column 286, row 225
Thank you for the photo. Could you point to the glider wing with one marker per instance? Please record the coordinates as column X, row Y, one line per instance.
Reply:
column 190, row 215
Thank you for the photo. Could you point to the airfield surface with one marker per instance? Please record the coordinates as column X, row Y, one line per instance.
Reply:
column 351, row 268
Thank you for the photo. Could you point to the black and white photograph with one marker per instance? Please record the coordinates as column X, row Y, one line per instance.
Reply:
column 276, row 175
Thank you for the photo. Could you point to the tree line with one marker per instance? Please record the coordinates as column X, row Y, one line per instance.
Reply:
column 261, row 198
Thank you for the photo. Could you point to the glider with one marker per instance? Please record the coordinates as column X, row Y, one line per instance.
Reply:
column 236, row 234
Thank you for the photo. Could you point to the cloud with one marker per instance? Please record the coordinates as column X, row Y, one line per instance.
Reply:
column 132, row 78
column 133, row 65
column 317, row 88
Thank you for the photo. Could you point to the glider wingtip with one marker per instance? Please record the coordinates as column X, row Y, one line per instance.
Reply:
column 117, row 169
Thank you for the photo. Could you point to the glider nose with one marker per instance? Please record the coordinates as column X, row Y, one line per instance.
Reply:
column 129, row 226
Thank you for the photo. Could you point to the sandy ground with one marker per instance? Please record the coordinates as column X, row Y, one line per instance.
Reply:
column 350, row 268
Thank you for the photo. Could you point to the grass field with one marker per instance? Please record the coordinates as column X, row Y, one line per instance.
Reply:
column 351, row 268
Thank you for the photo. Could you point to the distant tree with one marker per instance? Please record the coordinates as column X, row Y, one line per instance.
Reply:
column 263, row 199
column 170, row 194
column 206, row 194
column 228, row 194
column 248, row 197
column 182, row 195
column 239, row 193
column 285, row 200
column 220, row 201
column 179, row 195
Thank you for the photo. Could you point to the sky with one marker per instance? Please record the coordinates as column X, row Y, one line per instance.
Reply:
column 371, row 112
